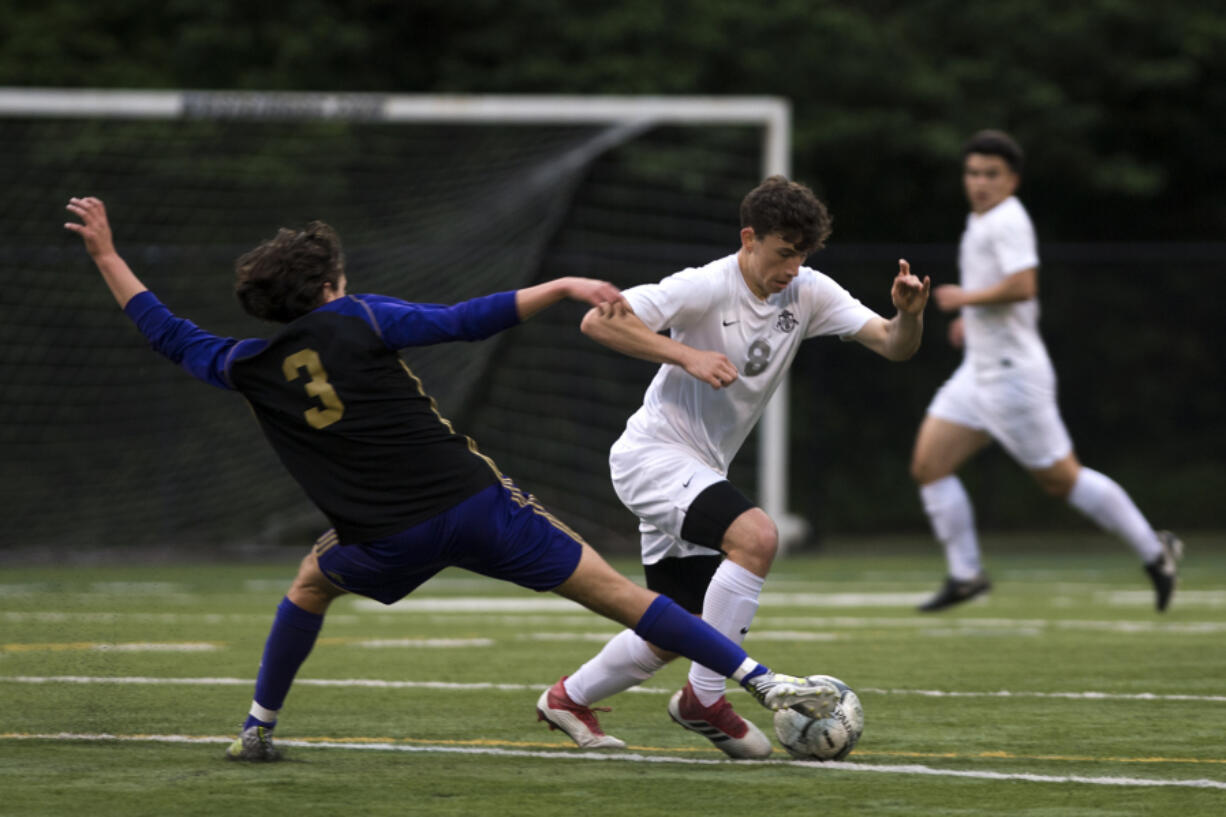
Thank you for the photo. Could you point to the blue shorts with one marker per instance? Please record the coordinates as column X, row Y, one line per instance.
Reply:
column 499, row 532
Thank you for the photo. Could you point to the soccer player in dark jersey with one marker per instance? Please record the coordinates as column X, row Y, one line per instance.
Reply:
column 406, row 494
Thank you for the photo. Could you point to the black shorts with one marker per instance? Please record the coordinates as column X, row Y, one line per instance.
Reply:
column 712, row 512
column 685, row 579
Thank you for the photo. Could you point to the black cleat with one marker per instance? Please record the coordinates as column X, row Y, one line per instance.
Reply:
column 956, row 591
column 1163, row 571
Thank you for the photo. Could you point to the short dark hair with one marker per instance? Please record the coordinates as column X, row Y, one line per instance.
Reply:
column 789, row 209
column 995, row 143
column 283, row 278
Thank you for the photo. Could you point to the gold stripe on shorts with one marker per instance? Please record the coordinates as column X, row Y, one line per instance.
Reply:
column 530, row 501
column 325, row 542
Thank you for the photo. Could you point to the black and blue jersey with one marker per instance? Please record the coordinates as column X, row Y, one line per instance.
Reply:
column 346, row 416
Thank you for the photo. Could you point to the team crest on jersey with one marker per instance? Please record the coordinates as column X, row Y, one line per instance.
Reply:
column 786, row 321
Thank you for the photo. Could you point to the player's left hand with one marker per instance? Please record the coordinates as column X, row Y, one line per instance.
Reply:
column 909, row 293
column 949, row 297
column 95, row 229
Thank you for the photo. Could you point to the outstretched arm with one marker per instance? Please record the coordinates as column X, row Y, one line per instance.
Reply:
column 530, row 300
column 899, row 338
column 95, row 230
column 615, row 326
column 201, row 353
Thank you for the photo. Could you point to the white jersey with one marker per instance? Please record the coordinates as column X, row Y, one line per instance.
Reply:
column 712, row 308
column 1000, row 337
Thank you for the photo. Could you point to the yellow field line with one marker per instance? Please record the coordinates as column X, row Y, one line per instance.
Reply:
column 518, row 744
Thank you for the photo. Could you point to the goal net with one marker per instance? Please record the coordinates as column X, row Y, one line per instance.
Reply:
column 436, row 199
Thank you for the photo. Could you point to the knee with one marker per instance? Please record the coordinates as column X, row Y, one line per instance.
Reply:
column 923, row 471
column 311, row 590
column 1056, row 485
column 310, row 597
column 752, row 540
column 1058, row 480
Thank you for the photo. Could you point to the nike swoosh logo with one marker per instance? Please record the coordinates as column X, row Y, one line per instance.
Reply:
column 729, row 323
column 686, row 484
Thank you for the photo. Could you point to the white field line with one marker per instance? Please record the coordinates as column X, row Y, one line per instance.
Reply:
column 469, row 604
column 763, row 635
column 183, row 646
column 59, row 617
column 631, row 757
column 376, row 643
column 776, row 599
column 926, row 622
column 101, row 646
column 210, row 646
column 374, row 683
column 1081, row 696
column 510, row 614
column 138, row 588
column 1183, row 598
column 480, row 604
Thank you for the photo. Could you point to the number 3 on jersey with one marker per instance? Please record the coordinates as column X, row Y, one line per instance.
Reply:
column 759, row 358
column 317, row 387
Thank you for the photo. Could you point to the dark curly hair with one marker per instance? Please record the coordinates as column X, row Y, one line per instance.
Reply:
column 283, row 278
column 995, row 143
column 789, row 209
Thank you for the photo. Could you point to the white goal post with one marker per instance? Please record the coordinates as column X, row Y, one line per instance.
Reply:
column 630, row 113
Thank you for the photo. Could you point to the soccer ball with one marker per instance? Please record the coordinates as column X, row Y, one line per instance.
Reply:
column 830, row 738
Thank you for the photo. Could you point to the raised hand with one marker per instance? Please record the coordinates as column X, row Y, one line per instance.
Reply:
column 909, row 293
column 95, row 230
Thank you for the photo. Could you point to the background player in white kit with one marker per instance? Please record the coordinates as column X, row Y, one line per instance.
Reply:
column 1005, row 389
column 735, row 326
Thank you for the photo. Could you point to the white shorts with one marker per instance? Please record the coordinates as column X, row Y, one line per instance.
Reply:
column 658, row 483
column 1018, row 410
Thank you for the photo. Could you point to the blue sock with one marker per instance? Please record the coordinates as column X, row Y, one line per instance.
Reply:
column 667, row 625
column 289, row 643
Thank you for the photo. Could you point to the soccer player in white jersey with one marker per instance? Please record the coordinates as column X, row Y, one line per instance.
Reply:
column 734, row 327
column 1005, row 389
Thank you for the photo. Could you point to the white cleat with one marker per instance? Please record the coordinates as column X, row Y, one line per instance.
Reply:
column 720, row 724
column 579, row 722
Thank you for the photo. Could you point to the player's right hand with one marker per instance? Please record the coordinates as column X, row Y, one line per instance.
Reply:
column 956, row 333
column 94, row 230
column 712, row 368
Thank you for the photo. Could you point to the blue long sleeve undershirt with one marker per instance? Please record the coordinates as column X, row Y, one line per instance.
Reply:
column 400, row 324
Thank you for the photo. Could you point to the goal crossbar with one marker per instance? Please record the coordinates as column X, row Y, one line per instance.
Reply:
column 772, row 114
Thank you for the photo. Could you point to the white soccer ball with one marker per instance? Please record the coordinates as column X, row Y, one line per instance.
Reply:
column 830, row 738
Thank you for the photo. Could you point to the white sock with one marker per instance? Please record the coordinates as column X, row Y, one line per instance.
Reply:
column 729, row 606
column 261, row 714
column 953, row 523
column 1103, row 500
column 625, row 661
